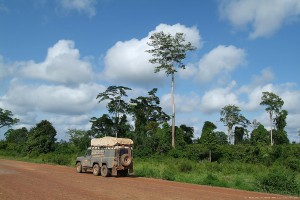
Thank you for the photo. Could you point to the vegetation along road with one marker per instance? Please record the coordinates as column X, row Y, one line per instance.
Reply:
column 22, row 180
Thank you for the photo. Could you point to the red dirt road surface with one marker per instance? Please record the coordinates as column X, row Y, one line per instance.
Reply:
column 22, row 180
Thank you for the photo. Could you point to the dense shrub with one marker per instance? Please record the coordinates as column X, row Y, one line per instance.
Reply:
column 278, row 180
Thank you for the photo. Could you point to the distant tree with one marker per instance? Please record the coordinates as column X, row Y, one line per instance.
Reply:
column 207, row 136
column 102, row 126
column 6, row 118
column 231, row 116
column 116, row 104
column 80, row 139
column 260, row 136
column 239, row 135
column 280, row 135
column 188, row 133
column 16, row 139
column 146, row 110
column 273, row 105
column 168, row 52
column 221, row 137
column 17, row 136
column 41, row 138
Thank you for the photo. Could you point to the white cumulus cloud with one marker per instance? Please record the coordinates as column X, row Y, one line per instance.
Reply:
column 24, row 98
column 221, row 60
column 264, row 16
column 62, row 65
column 213, row 100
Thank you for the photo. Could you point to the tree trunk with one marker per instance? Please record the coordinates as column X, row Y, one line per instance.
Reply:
column 271, row 128
column 229, row 134
column 173, row 109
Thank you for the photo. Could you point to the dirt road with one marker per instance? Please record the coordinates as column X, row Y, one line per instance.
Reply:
column 21, row 180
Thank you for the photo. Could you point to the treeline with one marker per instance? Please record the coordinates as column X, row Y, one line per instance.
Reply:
column 151, row 133
column 153, row 149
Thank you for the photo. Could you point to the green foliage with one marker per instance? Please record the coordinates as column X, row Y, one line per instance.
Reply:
column 239, row 134
column 41, row 138
column 280, row 137
column 80, row 140
column 208, row 137
column 260, row 136
column 272, row 101
column 231, row 116
column 278, row 180
column 146, row 110
column 6, row 118
column 168, row 50
column 16, row 139
column 185, row 165
column 212, row 179
column 102, row 126
column 188, row 133
column 117, row 107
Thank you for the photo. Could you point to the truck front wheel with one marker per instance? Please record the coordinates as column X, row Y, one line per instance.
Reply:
column 105, row 172
column 78, row 167
column 96, row 170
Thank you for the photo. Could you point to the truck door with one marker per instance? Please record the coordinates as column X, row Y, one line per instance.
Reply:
column 87, row 158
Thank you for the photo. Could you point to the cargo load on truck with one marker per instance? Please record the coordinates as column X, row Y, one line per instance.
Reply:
column 111, row 141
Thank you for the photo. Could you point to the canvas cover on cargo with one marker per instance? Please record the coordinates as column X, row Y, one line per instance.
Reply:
column 111, row 141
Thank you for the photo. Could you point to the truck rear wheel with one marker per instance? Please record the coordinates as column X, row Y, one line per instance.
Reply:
column 96, row 170
column 78, row 167
column 105, row 172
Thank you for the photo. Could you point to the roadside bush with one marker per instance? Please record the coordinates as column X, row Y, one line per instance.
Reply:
column 213, row 180
column 176, row 153
column 293, row 164
column 278, row 180
column 168, row 173
column 3, row 144
column 185, row 166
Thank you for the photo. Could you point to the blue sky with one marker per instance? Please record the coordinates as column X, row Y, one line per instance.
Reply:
column 57, row 55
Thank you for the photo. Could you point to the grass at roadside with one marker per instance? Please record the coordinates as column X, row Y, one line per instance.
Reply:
column 251, row 177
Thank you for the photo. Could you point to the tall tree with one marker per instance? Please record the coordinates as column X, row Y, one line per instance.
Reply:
column 231, row 116
column 116, row 105
column 41, row 138
column 273, row 105
column 6, row 118
column 168, row 52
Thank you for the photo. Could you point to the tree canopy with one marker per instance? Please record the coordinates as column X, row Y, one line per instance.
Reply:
column 231, row 116
column 6, row 118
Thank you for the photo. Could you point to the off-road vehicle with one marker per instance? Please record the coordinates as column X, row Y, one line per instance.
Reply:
column 107, row 156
